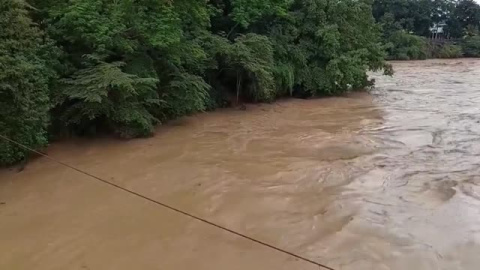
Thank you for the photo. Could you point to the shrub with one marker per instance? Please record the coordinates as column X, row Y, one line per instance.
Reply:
column 471, row 46
column 444, row 50
column 449, row 51
column 405, row 46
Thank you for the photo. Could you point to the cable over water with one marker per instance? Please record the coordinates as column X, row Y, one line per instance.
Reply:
column 168, row 206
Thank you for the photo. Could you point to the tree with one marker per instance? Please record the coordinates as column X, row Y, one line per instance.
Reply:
column 319, row 49
column 137, row 53
column 466, row 15
column 24, row 80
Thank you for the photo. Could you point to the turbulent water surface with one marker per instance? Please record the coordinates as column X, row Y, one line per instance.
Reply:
column 385, row 180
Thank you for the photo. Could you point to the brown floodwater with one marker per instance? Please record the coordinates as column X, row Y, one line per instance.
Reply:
column 383, row 180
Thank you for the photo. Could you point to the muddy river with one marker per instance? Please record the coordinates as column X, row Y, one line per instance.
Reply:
column 383, row 180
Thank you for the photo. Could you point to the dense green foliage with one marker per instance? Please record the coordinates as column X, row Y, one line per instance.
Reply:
column 24, row 81
column 464, row 17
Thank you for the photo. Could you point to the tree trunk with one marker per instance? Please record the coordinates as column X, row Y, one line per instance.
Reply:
column 239, row 85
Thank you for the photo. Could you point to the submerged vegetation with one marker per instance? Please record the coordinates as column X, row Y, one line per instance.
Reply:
column 80, row 67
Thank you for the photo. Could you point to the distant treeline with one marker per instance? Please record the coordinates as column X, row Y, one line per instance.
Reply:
column 412, row 28
column 81, row 67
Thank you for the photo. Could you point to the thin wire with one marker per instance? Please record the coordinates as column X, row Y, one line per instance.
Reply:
column 167, row 206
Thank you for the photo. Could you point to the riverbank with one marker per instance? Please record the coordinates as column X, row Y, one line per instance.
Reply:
column 123, row 68
column 411, row 47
